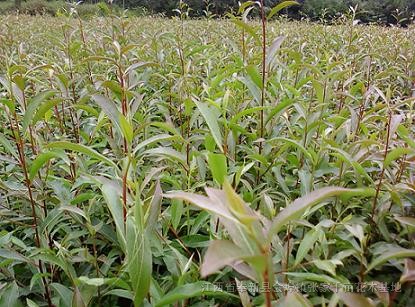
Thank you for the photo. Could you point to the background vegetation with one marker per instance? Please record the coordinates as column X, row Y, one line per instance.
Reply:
column 380, row 11
column 181, row 162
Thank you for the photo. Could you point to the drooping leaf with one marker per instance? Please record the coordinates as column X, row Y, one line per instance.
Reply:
column 41, row 160
column 153, row 139
column 82, row 149
column 389, row 254
column 406, row 220
column 279, row 7
column 218, row 255
column 395, row 154
column 408, row 274
column 44, row 108
column 294, row 299
column 202, row 202
column 197, row 289
column 355, row 299
column 39, row 99
column 298, row 207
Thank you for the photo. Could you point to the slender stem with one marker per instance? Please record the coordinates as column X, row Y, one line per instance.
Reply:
column 261, row 113
column 266, row 277
column 323, row 109
column 88, row 64
column 75, row 123
column 287, row 253
column 264, row 45
column 375, row 200
column 23, row 165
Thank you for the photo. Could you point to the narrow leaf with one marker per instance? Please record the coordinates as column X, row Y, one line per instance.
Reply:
column 203, row 202
column 218, row 255
column 212, row 122
column 218, row 166
column 298, row 207
column 279, row 7
column 196, row 289
column 395, row 253
column 82, row 149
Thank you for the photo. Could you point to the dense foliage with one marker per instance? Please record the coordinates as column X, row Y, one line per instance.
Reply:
column 114, row 130
column 379, row 11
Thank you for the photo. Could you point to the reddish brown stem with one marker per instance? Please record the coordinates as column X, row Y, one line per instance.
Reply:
column 23, row 165
column 375, row 200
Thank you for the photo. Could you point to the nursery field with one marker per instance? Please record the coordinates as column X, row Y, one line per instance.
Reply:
column 177, row 162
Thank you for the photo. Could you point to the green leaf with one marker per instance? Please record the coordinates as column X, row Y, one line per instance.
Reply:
column 112, row 198
column 355, row 300
column 155, row 208
column 8, row 146
column 281, row 106
column 293, row 299
column 254, row 74
column 41, row 160
column 139, row 257
column 244, row 5
column 319, row 89
column 350, row 160
column 212, row 121
column 8, row 103
column 326, row 265
column 404, row 133
column 218, row 166
column 9, row 295
column 82, row 149
column 306, row 244
column 218, row 255
column 111, row 110
column 153, row 139
column 96, row 282
column 307, row 154
column 396, row 154
column 250, row 30
column 389, row 254
column 40, row 113
column 276, row 9
column 167, row 152
column 272, row 50
column 138, row 65
column 239, row 115
column 13, row 255
column 31, row 303
column 126, row 128
column 406, row 220
column 204, row 203
column 73, row 209
column 41, row 98
column 313, row 277
column 176, row 212
column 121, row 293
column 187, row 291
column 300, row 205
